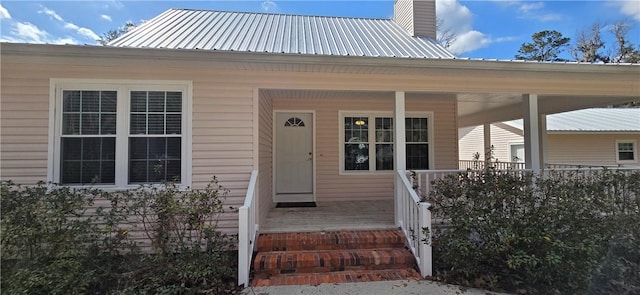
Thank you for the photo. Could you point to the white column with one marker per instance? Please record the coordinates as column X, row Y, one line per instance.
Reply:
column 531, row 131
column 399, row 152
column 543, row 140
column 399, row 149
column 487, row 143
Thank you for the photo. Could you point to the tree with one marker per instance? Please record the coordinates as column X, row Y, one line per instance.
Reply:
column 623, row 49
column 445, row 36
column 546, row 46
column 115, row 33
column 588, row 45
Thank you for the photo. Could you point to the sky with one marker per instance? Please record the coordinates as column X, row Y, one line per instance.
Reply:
column 492, row 29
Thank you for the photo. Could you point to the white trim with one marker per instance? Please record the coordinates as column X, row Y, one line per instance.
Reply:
column 273, row 151
column 512, row 143
column 430, row 115
column 122, row 88
column 635, row 151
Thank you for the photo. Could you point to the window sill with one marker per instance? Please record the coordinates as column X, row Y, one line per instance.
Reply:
column 365, row 173
column 113, row 188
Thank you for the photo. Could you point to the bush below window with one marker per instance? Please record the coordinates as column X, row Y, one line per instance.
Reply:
column 145, row 241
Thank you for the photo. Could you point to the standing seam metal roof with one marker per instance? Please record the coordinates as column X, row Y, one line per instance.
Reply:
column 279, row 33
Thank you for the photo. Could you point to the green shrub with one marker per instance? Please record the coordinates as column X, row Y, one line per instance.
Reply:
column 56, row 240
column 517, row 232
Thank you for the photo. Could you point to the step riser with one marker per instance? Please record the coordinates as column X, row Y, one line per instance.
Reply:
column 330, row 241
column 329, row 257
column 309, row 262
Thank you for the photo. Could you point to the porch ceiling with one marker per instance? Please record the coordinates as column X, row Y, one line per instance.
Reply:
column 476, row 109
column 473, row 108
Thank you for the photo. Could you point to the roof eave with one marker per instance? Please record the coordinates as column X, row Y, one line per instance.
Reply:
column 279, row 58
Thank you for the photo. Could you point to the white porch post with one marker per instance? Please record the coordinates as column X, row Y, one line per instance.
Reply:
column 543, row 140
column 532, row 140
column 399, row 151
column 487, row 143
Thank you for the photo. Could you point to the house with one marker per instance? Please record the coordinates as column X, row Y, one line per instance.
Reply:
column 281, row 108
column 591, row 137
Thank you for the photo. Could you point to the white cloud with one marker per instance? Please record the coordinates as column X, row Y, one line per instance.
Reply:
column 525, row 8
column 459, row 19
column 105, row 17
column 630, row 8
column 84, row 32
column 269, row 5
column 51, row 13
column 67, row 40
column 28, row 32
column 532, row 10
column 469, row 41
column 4, row 13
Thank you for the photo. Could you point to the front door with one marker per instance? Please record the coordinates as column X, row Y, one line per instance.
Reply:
column 294, row 157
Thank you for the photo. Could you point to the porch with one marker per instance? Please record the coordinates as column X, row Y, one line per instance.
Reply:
column 331, row 216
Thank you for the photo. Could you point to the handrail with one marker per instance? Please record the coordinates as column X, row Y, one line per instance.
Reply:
column 414, row 219
column 247, row 231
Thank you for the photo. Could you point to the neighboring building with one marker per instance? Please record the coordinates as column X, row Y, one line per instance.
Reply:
column 321, row 108
column 590, row 137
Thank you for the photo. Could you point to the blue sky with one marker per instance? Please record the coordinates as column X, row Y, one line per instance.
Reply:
column 485, row 29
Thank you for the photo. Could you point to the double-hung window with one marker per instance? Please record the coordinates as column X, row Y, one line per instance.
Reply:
column 367, row 142
column 120, row 133
column 626, row 151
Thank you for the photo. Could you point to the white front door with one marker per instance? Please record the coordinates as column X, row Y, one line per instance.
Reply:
column 294, row 157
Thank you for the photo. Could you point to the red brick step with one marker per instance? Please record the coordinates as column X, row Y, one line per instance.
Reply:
column 360, row 239
column 280, row 262
column 332, row 257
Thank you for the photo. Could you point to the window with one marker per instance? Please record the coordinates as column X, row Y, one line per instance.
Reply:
column 370, row 136
column 516, row 152
column 120, row 134
column 626, row 151
column 417, row 140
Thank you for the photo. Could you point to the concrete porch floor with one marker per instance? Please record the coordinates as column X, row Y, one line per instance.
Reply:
column 331, row 216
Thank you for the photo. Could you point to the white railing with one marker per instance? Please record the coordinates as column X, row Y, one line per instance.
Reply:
column 414, row 219
column 475, row 165
column 247, row 231
column 422, row 180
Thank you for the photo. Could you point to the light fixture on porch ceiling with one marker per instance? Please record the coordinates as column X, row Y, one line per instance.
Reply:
column 359, row 122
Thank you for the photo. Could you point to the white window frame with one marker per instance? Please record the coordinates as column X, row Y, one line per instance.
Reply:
column 635, row 151
column 511, row 155
column 123, row 89
column 372, row 115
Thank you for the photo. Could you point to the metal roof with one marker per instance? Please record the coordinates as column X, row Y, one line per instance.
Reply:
column 279, row 33
column 591, row 120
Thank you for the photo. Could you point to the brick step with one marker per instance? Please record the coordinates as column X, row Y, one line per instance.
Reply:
column 282, row 262
column 360, row 239
column 353, row 276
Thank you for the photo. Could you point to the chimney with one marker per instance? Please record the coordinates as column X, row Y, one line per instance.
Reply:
column 418, row 17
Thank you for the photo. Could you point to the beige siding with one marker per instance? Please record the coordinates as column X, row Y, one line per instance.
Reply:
column 330, row 185
column 472, row 141
column 562, row 148
column 222, row 119
column 589, row 149
column 416, row 17
column 265, row 165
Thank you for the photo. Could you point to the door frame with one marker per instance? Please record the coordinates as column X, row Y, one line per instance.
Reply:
column 274, row 147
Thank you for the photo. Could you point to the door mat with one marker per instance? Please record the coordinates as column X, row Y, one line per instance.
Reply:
column 296, row 205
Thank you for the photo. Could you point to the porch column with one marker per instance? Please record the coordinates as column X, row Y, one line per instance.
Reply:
column 532, row 141
column 543, row 140
column 487, row 143
column 399, row 151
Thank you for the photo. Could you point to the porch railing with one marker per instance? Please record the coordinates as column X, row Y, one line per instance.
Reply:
column 414, row 219
column 247, row 231
column 479, row 164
